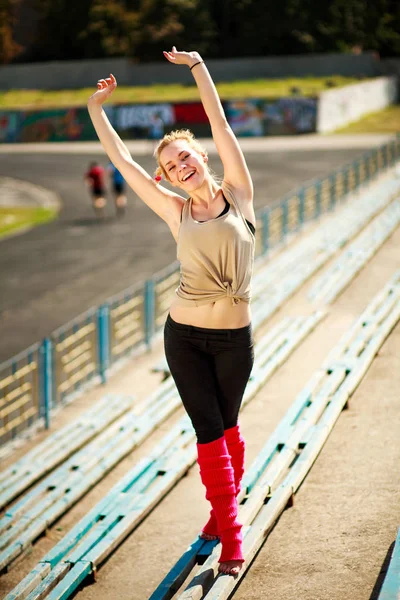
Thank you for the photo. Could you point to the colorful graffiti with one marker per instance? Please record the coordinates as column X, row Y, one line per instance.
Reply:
column 9, row 126
column 285, row 116
column 190, row 113
column 58, row 125
column 142, row 120
column 255, row 117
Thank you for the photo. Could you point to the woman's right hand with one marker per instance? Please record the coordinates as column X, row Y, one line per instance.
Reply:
column 182, row 58
column 105, row 88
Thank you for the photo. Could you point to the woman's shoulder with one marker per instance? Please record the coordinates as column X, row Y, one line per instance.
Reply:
column 176, row 206
column 236, row 195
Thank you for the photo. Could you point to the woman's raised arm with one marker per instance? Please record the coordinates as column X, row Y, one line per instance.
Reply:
column 158, row 198
column 235, row 169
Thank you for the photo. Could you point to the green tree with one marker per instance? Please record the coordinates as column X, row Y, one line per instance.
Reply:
column 61, row 28
column 9, row 48
column 112, row 29
column 383, row 27
column 141, row 29
column 164, row 23
column 257, row 28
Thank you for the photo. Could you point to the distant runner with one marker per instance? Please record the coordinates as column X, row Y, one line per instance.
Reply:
column 118, row 185
column 156, row 129
column 95, row 181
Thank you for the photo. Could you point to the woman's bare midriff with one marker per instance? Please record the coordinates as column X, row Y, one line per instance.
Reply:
column 215, row 315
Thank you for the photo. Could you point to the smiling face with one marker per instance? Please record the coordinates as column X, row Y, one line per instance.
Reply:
column 184, row 166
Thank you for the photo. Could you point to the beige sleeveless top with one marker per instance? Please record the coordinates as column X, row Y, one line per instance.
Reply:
column 216, row 256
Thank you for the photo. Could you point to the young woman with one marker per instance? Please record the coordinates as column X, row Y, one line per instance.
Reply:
column 208, row 337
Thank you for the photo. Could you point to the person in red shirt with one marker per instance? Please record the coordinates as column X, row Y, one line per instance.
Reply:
column 94, row 178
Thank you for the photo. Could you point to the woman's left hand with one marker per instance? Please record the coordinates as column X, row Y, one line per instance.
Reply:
column 182, row 58
column 105, row 88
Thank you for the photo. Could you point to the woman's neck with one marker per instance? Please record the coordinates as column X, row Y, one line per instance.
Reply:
column 206, row 194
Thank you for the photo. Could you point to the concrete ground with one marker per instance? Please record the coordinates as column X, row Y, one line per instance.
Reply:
column 333, row 544
column 75, row 262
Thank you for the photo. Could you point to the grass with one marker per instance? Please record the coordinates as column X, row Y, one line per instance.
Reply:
column 13, row 219
column 383, row 121
column 257, row 88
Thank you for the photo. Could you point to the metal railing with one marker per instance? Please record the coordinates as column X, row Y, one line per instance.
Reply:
column 21, row 403
column 123, row 325
column 73, row 356
column 81, row 352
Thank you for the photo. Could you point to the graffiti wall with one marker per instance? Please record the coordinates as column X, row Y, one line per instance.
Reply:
column 58, row 125
column 151, row 121
column 285, row 116
column 255, row 117
column 142, row 120
column 9, row 126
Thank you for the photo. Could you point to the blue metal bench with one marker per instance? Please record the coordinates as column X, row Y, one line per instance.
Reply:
column 304, row 429
column 390, row 589
column 59, row 446
column 55, row 504
column 274, row 477
column 328, row 287
column 297, row 329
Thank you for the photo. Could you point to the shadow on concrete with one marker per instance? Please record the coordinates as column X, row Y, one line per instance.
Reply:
column 382, row 574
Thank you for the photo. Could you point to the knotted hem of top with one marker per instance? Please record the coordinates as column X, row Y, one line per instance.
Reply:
column 194, row 302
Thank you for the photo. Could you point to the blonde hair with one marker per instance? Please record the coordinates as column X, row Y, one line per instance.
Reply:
column 178, row 134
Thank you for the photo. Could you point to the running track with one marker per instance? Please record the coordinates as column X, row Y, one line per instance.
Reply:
column 53, row 273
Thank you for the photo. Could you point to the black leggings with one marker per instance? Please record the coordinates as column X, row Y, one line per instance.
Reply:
column 211, row 368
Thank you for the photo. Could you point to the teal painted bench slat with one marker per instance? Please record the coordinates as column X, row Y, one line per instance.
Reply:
column 390, row 589
column 179, row 572
column 330, row 398
column 57, row 447
column 67, row 545
column 328, row 287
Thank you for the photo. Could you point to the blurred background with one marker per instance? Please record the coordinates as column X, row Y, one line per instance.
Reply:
column 284, row 69
column 44, row 30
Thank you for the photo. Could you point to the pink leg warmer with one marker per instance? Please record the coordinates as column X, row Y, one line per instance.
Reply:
column 218, row 478
column 236, row 448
